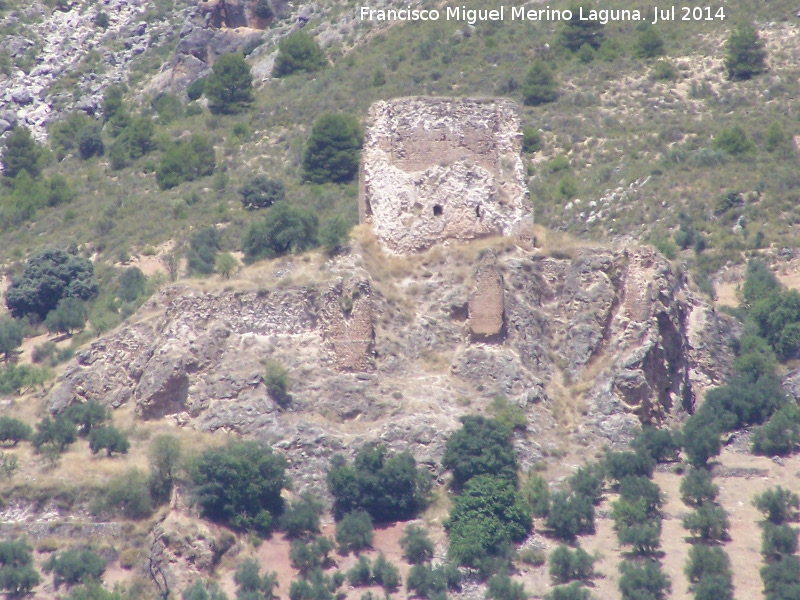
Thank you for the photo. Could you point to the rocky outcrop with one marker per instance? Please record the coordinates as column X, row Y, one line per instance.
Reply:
column 435, row 169
column 56, row 43
column 617, row 333
column 183, row 548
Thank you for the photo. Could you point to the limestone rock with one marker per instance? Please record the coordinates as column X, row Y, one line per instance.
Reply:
column 435, row 169
column 619, row 334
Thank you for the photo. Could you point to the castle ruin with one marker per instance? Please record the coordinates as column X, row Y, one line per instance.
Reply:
column 435, row 169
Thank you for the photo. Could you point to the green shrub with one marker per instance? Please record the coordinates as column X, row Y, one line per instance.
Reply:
column 131, row 285
column 101, row 20
column 11, row 336
column 480, row 447
column 127, row 495
column 75, row 565
column 301, row 517
column 251, row 584
column 18, row 575
column 780, row 436
column 21, row 153
column 585, row 54
column 14, row 431
column 531, row 141
column 775, row 138
column 714, row 587
column 778, row 505
column 45, row 352
column 201, row 255
column 705, row 561
column 308, row 556
column 573, row 591
column 334, row 235
column 709, row 522
column 508, row 414
column 64, row 133
column 619, row 465
column 284, row 229
column 229, row 87
column 165, row 465
column 240, row 485
column 659, row 444
column 203, row 591
column 226, row 264
column 110, row 439
column 333, row 149
column 48, row 276
column 502, row 587
column 428, row 582
column 276, row 379
column 664, row 70
column 261, row 192
column 635, row 489
column 700, row 440
column 354, row 531
column 537, row 494
column 643, row 580
column 195, row 89
column 570, row 515
column 570, row 565
column 417, row 546
column 317, row 586
column 649, row 44
column 87, row 415
column 58, row 433
column 777, row 540
column 589, row 481
column 577, row 32
column 15, row 378
column 385, row 574
column 745, row 54
column 360, row 574
column 485, row 519
column 298, row 52
column 540, row 85
column 186, row 161
column 697, row 488
column 90, row 142
column 69, row 315
column 782, row 578
column 388, row 487
column 734, row 141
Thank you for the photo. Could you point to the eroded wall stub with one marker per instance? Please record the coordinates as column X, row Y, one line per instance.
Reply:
column 435, row 169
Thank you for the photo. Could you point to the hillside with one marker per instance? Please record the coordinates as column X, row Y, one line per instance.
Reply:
column 619, row 253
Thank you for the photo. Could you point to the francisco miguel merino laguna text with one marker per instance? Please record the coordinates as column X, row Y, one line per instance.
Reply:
column 522, row 13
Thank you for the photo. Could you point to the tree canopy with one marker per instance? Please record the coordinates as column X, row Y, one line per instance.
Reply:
column 298, row 52
column 240, row 485
column 480, row 447
column 388, row 487
column 21, row 153
column 49, row 276
column 745, row 53
column 229, row 88
column 333, row 150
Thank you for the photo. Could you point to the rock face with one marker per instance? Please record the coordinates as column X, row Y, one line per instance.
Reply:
column 435, row 169
column 618, row 336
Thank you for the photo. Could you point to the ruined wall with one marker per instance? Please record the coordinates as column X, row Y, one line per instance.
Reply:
column 435, row 169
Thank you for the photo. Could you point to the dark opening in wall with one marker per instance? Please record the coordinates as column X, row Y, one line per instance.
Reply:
column 478, row 211
column 437, row 210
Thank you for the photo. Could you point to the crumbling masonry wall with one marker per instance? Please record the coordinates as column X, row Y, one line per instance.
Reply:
column 435, row 169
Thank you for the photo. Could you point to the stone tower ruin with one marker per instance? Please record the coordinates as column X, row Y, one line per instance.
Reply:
column 434, row 169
